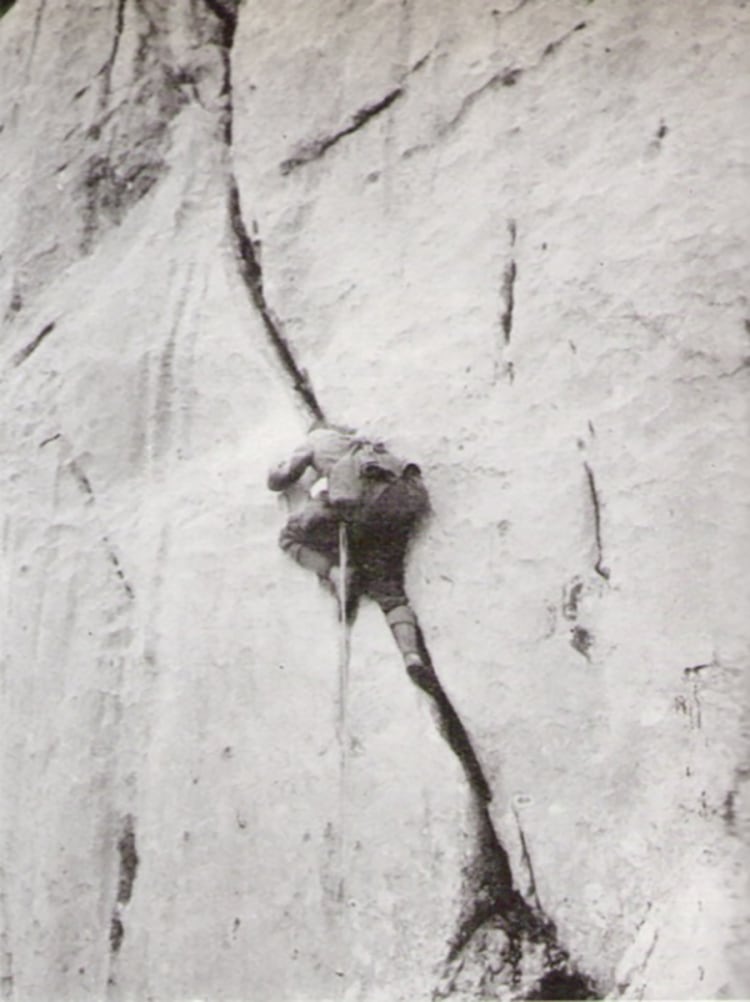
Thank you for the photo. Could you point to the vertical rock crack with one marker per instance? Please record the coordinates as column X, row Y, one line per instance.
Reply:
column 128, row 870
column 248, row 261
column 508, row 287
column 599, row 566
column 490, row 898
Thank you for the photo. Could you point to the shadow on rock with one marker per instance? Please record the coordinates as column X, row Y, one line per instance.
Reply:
column 504, row 947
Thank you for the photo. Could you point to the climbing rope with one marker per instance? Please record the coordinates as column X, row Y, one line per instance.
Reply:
column 342, row 728
column 344, row 631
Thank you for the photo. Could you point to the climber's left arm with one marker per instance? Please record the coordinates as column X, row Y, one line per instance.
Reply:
column 285, row 474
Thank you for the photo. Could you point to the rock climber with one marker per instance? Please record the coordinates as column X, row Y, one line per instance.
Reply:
column 380, row 499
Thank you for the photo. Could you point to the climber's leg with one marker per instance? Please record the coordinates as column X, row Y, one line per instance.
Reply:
column 379, row 559
column 310, row 559
column 311, row 538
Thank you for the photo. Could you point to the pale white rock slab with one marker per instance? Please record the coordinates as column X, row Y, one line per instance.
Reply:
column 509, row 239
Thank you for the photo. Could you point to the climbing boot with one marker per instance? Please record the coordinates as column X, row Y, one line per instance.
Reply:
column 424, row 677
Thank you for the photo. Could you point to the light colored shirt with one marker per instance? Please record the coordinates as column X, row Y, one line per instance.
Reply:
column 324, row 448
column 321, row 450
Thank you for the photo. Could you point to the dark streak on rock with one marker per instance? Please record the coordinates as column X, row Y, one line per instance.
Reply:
column 491, row 900
column 507, row 77
column 108, row 65
column 316, row 149
column 654, row 147
column 552, row 47
column 450, row 724
column 420, row 62
column 728, row 811
column 581, row 640
column 599, row 567
column 252, row 276
column 126, row 879
column 246, row 250
column 128, row 861
column 50, row 438
column 508, row 286
column 72, row 132
column 83, row 481
column 226, row 14
column 116, row 935
column 508, row 292
column 116, row 175
column 110, row 190
column 94, row 130
column 32, row 346
column 571, row 598
column 694, row 669
column 145, row 39
column 114, row 560
column 85, row 484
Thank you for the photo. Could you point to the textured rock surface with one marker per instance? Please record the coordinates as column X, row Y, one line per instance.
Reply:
column 511, row 239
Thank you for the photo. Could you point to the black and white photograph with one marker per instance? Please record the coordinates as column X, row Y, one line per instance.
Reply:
column 374, row 500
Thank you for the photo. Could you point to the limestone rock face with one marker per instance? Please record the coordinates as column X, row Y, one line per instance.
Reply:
column 509, row 238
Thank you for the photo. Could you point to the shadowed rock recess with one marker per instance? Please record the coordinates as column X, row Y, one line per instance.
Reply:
column 503, row 238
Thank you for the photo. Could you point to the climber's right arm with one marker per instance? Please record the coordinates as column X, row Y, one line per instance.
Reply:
column 285, row 474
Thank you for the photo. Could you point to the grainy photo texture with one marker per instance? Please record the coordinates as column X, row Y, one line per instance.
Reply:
column 375, row 480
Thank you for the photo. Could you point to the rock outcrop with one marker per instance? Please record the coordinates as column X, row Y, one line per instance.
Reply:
column 508, row 237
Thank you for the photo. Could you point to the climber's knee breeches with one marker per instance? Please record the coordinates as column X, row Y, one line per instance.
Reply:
column 289, row 541
column 315, row 527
